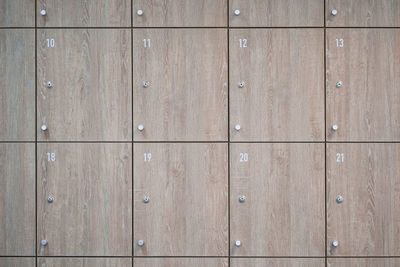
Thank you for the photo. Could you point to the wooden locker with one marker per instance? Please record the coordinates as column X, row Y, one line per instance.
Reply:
column 382, row 262
column 83, row 13
column 293, row 262
column 363, row 197
column 186, row 95
column 179, row 13
column 90, row 98
column 276, row 13
column 277, row 199
column 17, row 262
column 17, row 85
column 362, row 13
column 180, row 262
column 17, row 199
column 365, row 105
column 90, row 208
column 276, row 85
column 17, row 13
column 85, row 262
column 187, row 214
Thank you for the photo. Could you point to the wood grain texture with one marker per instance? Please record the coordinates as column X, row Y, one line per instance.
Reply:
column 180, row 262
column 276, row 13
column 187, row 96
column 283, row 96
column 17, row 199
column 84, row 13
column 17, row 85
column 17, row 262
column 364, row 262
column 367, row 106
column 188, row 210
column 283, row 214
column 361, row 13
column 180, row 13
column 367, row 222
column 17, row 13
column 91, row 99
column 84, row 262
column 299, row 262
column 91, row 214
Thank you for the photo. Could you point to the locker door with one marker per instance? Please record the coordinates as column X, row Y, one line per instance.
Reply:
column 180, row 84
column 361, row 13
column 179, row 13
column 17, row 199
column 17, row 84
column 277, row 200
column 180, row 262
column 363, row 80
column 181, row 195
column 84, row 262
column 84, row 199
column 363, row 262
column 84, row 85
column 83, row 13
column 299, row 262
column 17, row 262
column 17, row 13
column 276, row 13
column 363, row 198
column 276, row 85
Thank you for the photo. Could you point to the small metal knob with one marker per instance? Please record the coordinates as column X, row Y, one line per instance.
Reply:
column 145, row 84
column 339, row 199
column 43, row 12
column 237, row 12
column 44, row 127
column 140, row 127
column 238, row 243
column 242, row 199
column 334, row 12
column 49, row 84
column 335, row 127
column 43, row 242
column 140, row 243
column 237, row 127
column 146, row 199
column 240, row 84
column 139, row 12
column 335, row 243
column 50, row 199
column 339, row 84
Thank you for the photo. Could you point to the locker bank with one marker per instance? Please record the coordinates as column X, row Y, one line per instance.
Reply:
column 190, row 133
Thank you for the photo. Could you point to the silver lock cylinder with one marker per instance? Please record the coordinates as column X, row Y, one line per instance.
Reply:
column 339, row 84
column 49, row 84
column 140, row 243
column 242, row 199
column 43, row 12
column 240, row 84
column 335, row 127
column 50, row 199
column 145, row 84
column 238, row 243
column 339, row 199
column 43, row 242
column 146, row 199
column 140, row 127
column 335, row 243
column 44, row 127
column 334, row 12
column 236, row 12
column 139, row 12
column 237, row 127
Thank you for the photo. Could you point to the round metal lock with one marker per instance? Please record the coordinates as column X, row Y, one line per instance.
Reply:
column 145, row 84
column 49, row 84
column 237, row 127
column 240, row 84
column 43, row 12
column 335, row 243
column 139, row 12
column 43, row 242
column 237, row 12
column 146, row 199
column 50, row 199
column 335, row 127
column 238, row 243
column 339, row 84
column 339, row 199
column 334, row 12
column 140, row 127
column 44, row 127
column 242, row 199
column 140, row 243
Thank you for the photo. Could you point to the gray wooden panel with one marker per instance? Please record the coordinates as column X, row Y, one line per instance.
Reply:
column 91, row 214
column 364, row 262
column 188, row 189
column 17, row 13
column 17, row 262
column 367, row 176
column 180, row 13
column 180, row 262
column 91, row 97
column 283, row 214
column 17, row 199
column 299, row 262
column 84, row 262
column 186, row 99
column 17, row 85
column 84, row 13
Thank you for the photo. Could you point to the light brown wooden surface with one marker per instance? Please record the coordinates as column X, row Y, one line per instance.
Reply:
column 367, row 222
column 188, row 210
column 278, row 262
column 276, row 13
column 367, row 106
column 362, row 13
column 84, row 13
column 17, row 262
column 17, row 13
column 187, row 96
column 364, row 262
column 91, row 98
column 17, row 85
column 283, row 214
column 17, row 199
column 180, row 262
column 283, row 96
column 84, row 262
column 91, row 214
column 180, row 13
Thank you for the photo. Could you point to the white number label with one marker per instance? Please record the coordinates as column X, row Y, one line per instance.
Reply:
column 339, row 43
column 244, row 157
column 146, row 43
column 51, row 42
column 147, row 157
column 243, row 42
column 340, row 157
column 51, row 156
